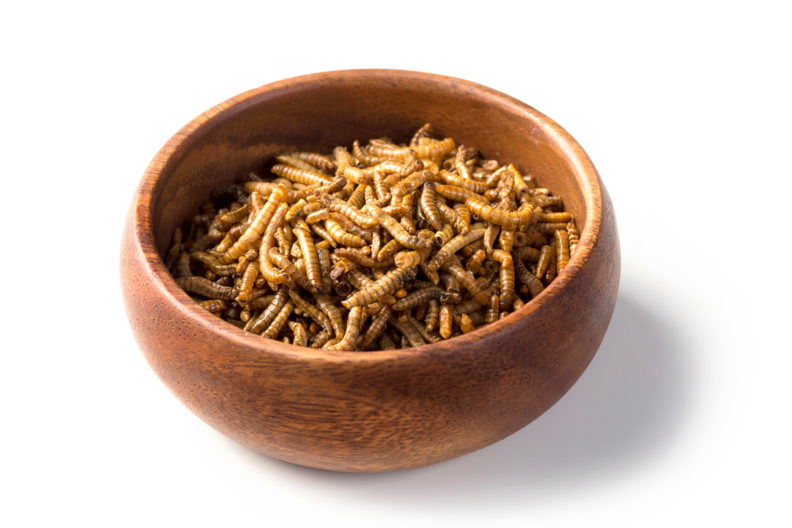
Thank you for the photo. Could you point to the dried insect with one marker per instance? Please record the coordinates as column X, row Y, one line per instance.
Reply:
column 206, row 288
column 562, row 249
column 373, row 227
column 352, row 332
column 280, row 320
column 397, row 231
column 454, row 245
column 379, row 288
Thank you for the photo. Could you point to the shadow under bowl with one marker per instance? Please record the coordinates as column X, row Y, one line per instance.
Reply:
column 367, row 411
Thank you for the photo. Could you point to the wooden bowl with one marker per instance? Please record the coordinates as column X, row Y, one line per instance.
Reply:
column 367, row 411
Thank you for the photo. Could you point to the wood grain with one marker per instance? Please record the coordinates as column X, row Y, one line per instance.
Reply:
column 367, row 411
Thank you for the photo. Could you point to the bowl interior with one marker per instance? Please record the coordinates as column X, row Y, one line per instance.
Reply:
column 321, row 111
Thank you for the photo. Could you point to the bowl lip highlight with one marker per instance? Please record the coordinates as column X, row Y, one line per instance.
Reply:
column 179, row 144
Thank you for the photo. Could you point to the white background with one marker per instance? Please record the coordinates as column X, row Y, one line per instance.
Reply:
column 683, row 415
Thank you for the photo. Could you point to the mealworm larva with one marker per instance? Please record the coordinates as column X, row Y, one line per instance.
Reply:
column 363, row 155
column 259, row 303
column 467, row 280
column 492, row 312
column 446, row 320
column 341, row 267
column 461, row 157
column 303, row 306
column 397, row 231
column 527, row 253
column 411, row 183
column 574, row 236
column 379, row 288
column 409, row 331
column 464, row 183
column 490, row 234
column 473, row 264
column 320, row 339
column 562, row 249
column 299, row 332
column 280, row 320
column 427, row 336
column 257, row 227
column 507, row 219
column 266, row 317
column 312, row 268
column 248, row 279
column 322, row 232
column 376, row 242
column 388, row 250
column 530, row 280
column 555, row 218
column 284, row 240
column 457, row 194
column 272, row 275
column 214, row 305
column 552, row 269
column 306, row 177
column 358, row 197
column 506, row 240
column 317, row 160
column 352, row 331
column 291, row 271
column 417, row 297
column 547, row 202
column 333, row 313
column 295, row 209
column 506, row 275
column 340, row 206
column 453, row 245
column 182, row 267
column 356, row 256
column 424, row 131
column 343, row 159
column 410, row 259
column 432, row 315
column 351, row 227
column 437, row 149
column 466, row 324
column 543, row 262
column 378, row 324
column 428, row 204
column 295, row 162
column 206, row 288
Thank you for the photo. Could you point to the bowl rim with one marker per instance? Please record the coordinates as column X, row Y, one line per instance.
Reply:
column 171, row 154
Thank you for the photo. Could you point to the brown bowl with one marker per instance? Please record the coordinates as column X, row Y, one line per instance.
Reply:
column 367, row 411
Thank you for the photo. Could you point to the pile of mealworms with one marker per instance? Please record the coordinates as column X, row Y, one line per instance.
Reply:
column 381, row 247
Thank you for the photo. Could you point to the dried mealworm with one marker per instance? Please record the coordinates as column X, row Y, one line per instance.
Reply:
column 272, row 275
column 340, row 206
column 432, row 315
column 314, row 272
column 214, row 305
column 378, row 324
column 248, row 280
column 506, row 275
column 356, row 256
column 352, row 331
column 277, row 324
column 333, row 313
column 473, row 264
column 530, row 280
column 466, row 324
column 183, row 265
column 299, row 332
column 379, row 288
column 206, row 288
column 428, row 203
column 467, row 280
column 446, row 320
column 543, row 263
column 453, row 245
column 411, row 183
column 342, row 236
column 303, row 306
column 562, row 249
column 289, row 268
column 257, row 227
column 175, row 249
column 574, row 236
column 409, row 331
column 266, row 317
column 507, row 219
column 397, row 231
column 464, row 183
column 303, row 176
